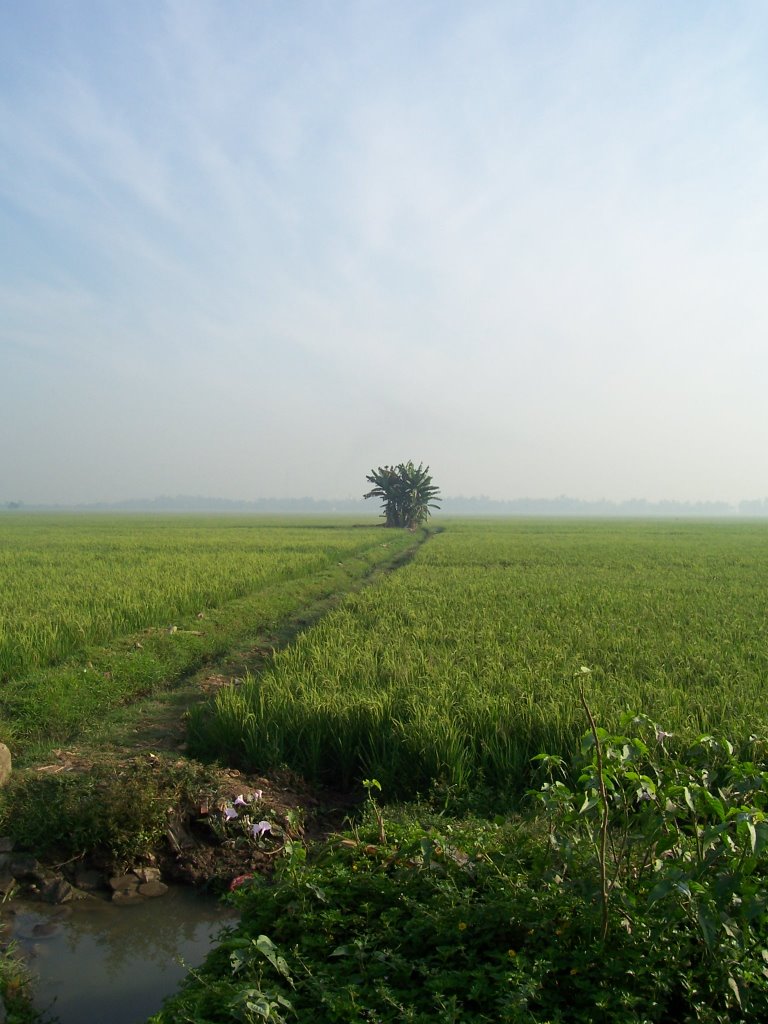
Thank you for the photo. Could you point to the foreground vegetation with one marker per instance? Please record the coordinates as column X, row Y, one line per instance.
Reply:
column 562, row 857
column 451, row 673
column 634, row 892
column 628, row 885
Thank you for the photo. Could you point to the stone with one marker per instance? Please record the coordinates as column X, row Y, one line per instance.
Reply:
column 6, row 844
column 44, row 929
column 127, row 896
column 25, row 867
column 5, row 764
column 57, row 891
column 147, row 874
column 122, row 882
column 125, row 888
column 152, row 889
column 90, row 879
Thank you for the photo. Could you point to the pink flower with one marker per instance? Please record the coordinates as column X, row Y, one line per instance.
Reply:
column 237, row 882
column 239, row 801
column 230, row 813
column 261, row 829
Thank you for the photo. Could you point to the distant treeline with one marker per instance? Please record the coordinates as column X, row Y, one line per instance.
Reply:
column 565, row 506
column 460, row 506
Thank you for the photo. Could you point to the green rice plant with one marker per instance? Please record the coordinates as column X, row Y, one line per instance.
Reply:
column 67, row 582
column 99, row 611
column 458, row 669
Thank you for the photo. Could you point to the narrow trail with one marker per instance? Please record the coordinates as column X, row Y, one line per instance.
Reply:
column 156, row 725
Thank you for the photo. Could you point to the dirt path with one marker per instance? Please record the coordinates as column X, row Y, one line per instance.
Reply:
column 158, row 724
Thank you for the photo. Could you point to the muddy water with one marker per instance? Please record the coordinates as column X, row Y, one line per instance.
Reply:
column 102, row 963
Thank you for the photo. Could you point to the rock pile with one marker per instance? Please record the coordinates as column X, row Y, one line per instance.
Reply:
column 22, row 874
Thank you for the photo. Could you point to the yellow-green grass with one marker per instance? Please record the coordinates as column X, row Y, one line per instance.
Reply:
column 460, row 667
column 70, row 581
column 98, row 610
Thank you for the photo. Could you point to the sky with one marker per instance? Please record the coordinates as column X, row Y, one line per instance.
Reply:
column 254, row 248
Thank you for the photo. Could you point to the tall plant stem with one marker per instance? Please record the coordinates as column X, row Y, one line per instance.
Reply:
column 603, row 850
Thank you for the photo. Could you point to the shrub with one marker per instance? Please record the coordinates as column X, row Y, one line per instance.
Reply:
column 635, row 892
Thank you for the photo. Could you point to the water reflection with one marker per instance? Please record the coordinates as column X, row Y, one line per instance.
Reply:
column 102, row 962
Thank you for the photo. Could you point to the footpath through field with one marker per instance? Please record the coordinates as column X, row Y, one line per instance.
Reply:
column 206, row 603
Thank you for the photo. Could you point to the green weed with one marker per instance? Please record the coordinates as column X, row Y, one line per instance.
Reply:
column 120, row 809
column 417, row 917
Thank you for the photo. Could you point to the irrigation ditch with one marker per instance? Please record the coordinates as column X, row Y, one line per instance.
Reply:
column 100, row 839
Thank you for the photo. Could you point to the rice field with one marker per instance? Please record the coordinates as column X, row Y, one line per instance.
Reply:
column 98, row 611
column 460, row 667
column 455, row 670
column 67, row 582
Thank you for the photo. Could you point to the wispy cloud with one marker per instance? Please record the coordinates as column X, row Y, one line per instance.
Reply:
column 515, row 235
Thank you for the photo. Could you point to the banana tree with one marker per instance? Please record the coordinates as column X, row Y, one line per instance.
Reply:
column 407, row 493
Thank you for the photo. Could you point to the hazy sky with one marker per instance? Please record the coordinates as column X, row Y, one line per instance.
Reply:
column 253, row 248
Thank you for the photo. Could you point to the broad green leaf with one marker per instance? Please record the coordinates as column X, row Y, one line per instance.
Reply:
column 707, row 925
column 734, row 987
column 267, row 948
column 661, row 890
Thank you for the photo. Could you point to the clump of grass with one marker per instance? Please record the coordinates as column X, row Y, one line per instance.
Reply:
column 119, row 809
column 16, row 988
